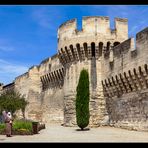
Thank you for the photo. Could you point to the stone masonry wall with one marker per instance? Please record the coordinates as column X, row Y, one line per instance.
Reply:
column 52, row 94
column 52, row 105
column 127, row 55
column 129, row 111
column 29, row 86
column 126, row 84
column 43, row 92
column 70, row 84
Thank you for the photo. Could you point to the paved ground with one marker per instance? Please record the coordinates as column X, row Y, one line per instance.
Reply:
column 57, row 133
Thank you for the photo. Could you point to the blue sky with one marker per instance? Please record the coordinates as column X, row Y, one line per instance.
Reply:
column 28, row 34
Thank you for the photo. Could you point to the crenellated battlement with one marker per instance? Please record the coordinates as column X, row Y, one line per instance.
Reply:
column 92, row 24
column 109, row 50
column 53, row 79
column 25, row 75
column 132, row 80
column 70, row 23
column 96, row 34
column 88, row 50
column 96, row 26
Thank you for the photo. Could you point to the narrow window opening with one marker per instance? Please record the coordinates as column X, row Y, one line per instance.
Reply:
column 93, row 49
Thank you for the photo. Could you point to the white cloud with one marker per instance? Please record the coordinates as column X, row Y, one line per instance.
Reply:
column 138, row 27
column 40, row 16
column 6, row 48
column 8, row 71
column 5, row 45
column 46, row 17
column 133, row 29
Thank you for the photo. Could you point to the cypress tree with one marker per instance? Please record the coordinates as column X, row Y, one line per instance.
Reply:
column 82, row 100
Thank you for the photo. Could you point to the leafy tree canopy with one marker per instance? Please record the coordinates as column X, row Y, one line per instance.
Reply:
column 12, row 101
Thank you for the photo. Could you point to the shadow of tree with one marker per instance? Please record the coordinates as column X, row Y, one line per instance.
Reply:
column 85, row 129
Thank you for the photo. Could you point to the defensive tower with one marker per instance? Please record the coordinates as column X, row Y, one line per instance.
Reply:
column 87, row 49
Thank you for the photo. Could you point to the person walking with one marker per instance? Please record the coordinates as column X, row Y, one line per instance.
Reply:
column 10, row 117
column 8, row 122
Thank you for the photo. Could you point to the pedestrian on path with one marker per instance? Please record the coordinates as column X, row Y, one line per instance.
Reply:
column 8, row 122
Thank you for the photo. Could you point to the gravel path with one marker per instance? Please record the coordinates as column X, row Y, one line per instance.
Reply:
column 57, row 133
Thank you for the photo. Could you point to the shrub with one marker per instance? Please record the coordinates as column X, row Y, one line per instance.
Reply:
column 20, row 127
column 82, row 100
column 20, row 124
column 2, row 128
column 22, row 132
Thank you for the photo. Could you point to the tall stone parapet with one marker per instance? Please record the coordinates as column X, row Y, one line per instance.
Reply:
column 121, row 27
column 29, row 85
column 51, row 74
column 85, row 49
column 94, row 29
column 74, row 44
column 42, row 87
column 28, row 81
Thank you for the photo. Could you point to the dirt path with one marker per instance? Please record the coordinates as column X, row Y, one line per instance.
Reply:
column 57, row 133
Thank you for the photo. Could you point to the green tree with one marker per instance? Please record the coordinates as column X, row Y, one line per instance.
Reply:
column 12, row 101
column 82, row 100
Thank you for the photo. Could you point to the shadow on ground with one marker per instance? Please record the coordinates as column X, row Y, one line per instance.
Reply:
column 86, row 129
